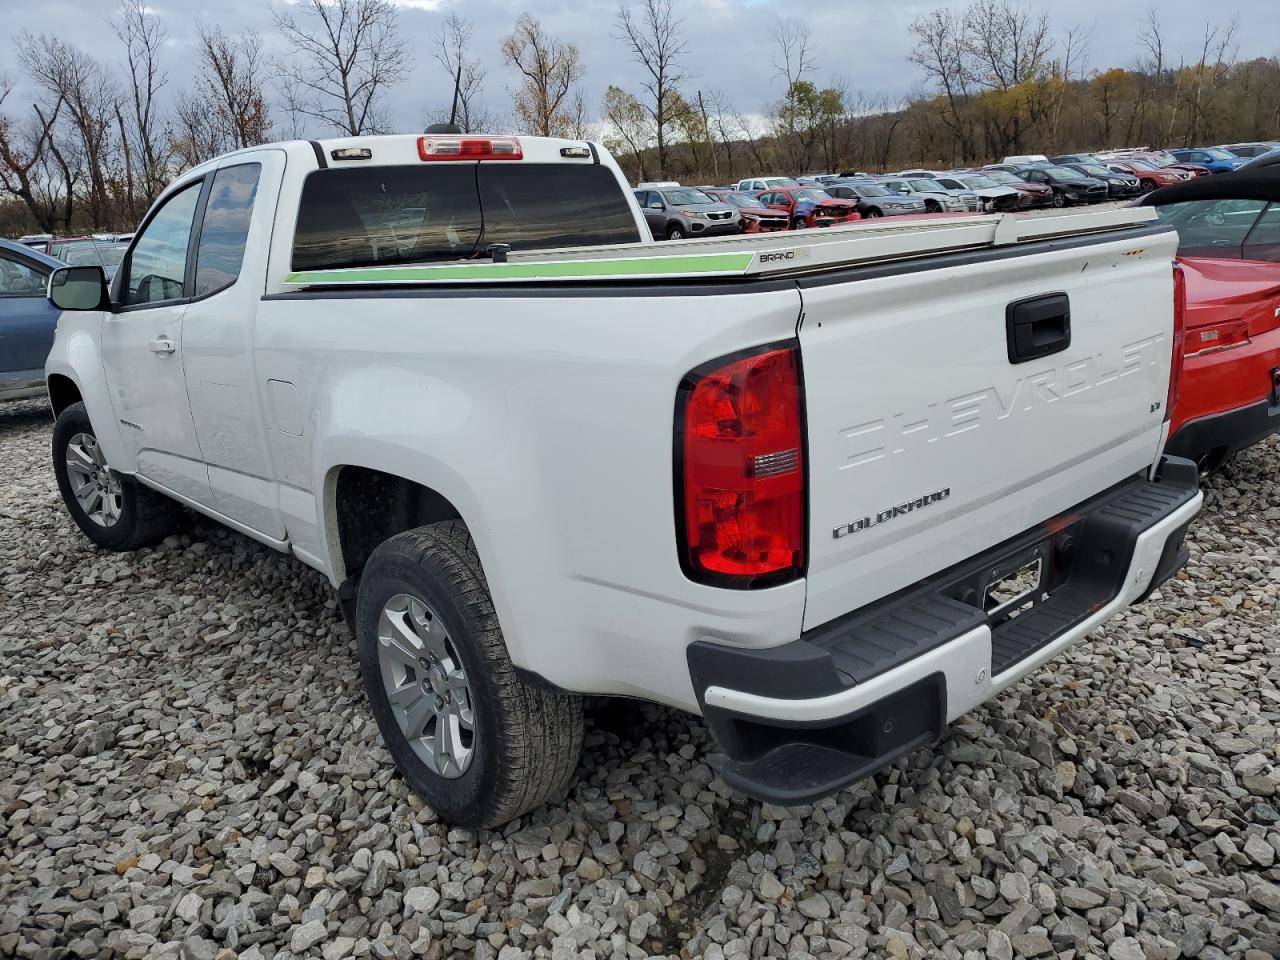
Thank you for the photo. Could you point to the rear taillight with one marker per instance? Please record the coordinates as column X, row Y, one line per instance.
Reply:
column 470, row 148
column 1220, row 336
column 1179, row 333
column 740, row 470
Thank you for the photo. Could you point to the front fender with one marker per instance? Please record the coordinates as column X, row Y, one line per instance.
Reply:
column 76, row 356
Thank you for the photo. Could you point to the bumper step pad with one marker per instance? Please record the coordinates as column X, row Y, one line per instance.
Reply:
column 1084, row 555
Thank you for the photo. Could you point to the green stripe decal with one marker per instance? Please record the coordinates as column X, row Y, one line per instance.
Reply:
column 716, row 263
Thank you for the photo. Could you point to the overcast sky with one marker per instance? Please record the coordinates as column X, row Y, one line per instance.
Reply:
column 863, row 42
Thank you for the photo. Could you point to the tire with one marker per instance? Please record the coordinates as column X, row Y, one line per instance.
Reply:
column 675, row 232
column 1147, row 186
column 124, row 515
column 932, row 206
column 1059, row 199
column 525, row 738
column 873, row 213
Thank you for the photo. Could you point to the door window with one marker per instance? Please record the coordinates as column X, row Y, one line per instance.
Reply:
column 1263, row 241
column 19, row 279
column 158, row 263
column 1211, row 228
column 225, row 229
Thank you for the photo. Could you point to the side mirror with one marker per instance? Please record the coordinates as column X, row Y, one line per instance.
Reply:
column 79, row 288
column 657, row 205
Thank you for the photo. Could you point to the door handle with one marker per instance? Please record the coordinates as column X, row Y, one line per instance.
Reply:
column 162, row 345
column 1037, row 327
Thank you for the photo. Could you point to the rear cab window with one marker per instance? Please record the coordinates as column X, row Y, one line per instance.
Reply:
column 380, row 216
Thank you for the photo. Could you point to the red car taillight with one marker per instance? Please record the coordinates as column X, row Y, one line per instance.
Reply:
column 1179, row 334
column 740, row 469
column 1220, row 336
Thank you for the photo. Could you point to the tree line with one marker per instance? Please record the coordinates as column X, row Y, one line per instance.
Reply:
column 104, row 133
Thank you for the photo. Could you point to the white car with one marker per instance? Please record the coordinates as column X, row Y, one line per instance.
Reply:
column 990, row 194
column 798, row 484
column 936, row 197
column 1023, row 159
column 756, row 184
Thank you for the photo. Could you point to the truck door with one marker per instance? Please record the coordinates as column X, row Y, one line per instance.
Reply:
column 142, row 349
column 217, row 332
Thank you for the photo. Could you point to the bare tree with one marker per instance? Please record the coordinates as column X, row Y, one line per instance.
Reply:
column 146, row 155
column 227, row 108
column 347, row 53
column 25, row 149
column 466, row 76
column 940, row 51
column 655, row 37
column 549, row 70
column 628, row 127
column 88, row 95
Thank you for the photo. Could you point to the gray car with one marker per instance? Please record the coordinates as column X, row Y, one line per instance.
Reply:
column 874, row 199
column 674, row 213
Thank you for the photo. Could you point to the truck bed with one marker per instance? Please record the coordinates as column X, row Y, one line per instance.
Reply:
column 748, row 256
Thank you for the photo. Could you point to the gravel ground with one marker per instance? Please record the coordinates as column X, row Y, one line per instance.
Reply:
column 188, row 768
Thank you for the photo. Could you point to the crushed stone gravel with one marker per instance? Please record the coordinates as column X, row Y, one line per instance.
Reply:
column 188, row 769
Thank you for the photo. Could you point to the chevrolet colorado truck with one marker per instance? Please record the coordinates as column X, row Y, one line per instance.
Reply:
column 830, row 491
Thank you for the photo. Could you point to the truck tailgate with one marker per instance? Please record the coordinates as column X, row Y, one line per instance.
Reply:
column 955, row 402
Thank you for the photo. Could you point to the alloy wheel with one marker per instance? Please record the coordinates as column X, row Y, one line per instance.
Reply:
column 95, row 485
column 426, row 685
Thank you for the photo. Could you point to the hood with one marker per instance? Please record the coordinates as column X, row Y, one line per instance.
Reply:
column 827, row 202
column 1223, row 290
column 994, row 193
column 705, row 208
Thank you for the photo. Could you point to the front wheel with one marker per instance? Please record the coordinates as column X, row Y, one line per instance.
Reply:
column 932, row 206
column 1148, row 186
column 675, row 232
column 475, row 739
column 872, row 214
column 1059, row 199
column 112, row 510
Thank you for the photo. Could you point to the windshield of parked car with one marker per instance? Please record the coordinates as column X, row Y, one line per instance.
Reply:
column 817, row 196
column 978, row 183
column 1142, row 165
column 927, row 186
column 686, row 198
column 1060, row 173
column 1219, row 154
column 743, row 200
column 1002, row 176
column 782, row 182
column 1159, row 162
column 869, row 189
column 1093, row 170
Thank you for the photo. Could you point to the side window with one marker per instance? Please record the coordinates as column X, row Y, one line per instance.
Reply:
column 1212, row 227
column 158, row 263
column 18, row 279
column 1263, row 242
column 225, row 228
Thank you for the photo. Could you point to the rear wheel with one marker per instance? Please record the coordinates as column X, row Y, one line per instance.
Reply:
column 675, row 232
column 112, row 510
column 479, row 743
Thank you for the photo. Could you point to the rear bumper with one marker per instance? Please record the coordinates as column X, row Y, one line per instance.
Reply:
column 804, row 720
column 1225, row 433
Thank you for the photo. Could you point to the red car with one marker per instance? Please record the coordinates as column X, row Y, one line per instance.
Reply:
column 1152, row 176
column 756, row 217
column 1229, row 261
column 809, row 206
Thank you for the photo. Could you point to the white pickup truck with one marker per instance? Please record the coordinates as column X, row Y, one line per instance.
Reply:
column 829, row 489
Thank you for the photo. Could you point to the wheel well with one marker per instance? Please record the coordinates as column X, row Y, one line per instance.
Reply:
column 371, row 506
column 62, row 393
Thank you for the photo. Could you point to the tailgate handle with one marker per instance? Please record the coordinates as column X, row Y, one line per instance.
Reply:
column 1038, row 326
